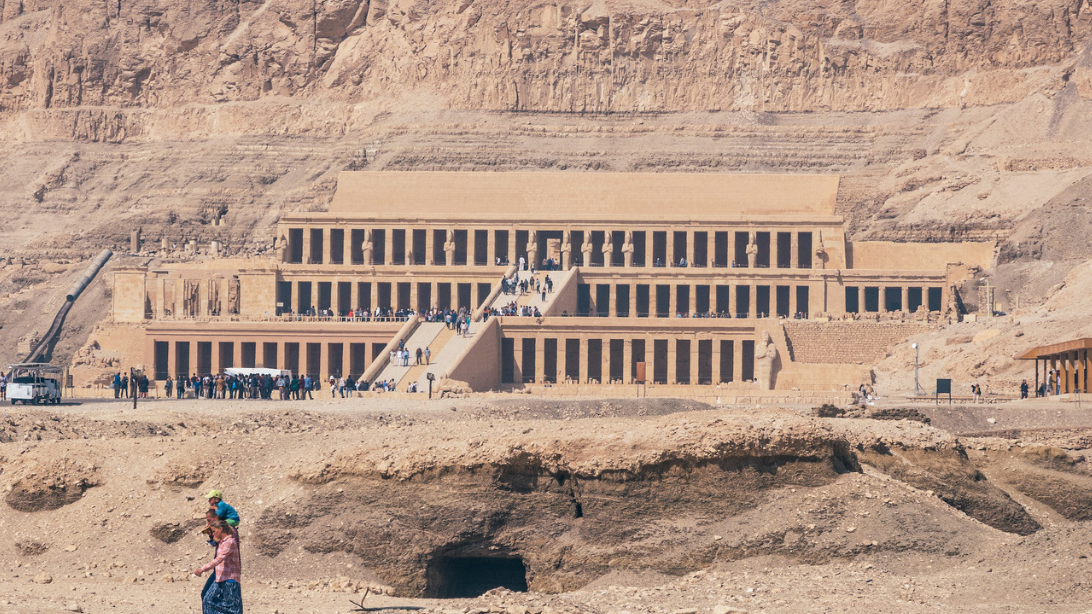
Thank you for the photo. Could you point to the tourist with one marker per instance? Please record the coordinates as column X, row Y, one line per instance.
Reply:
column 307, row 387
column 333, row 387
column 419, row 354
column 116, row 385
column 168, row 387
column 976, row 390
column 3, row 386
column 341, row 386
column 428, row 356
column 522, row 264
column 222, row 594
column 1024, row 389
column 223, row 510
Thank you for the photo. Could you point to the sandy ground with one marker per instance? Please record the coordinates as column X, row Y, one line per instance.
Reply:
column 100, row 557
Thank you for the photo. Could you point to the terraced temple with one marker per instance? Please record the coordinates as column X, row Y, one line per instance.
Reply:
column 686, row 281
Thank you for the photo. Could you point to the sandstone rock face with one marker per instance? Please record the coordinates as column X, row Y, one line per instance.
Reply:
column 86, row 67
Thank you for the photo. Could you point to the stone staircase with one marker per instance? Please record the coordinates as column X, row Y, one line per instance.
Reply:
column 443, row 357
column 534, row 299
column 417, row 372
column 424, row 336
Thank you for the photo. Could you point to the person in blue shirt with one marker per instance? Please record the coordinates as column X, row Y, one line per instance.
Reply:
column 223, row 511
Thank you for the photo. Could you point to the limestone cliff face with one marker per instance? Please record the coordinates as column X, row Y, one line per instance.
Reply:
column 95, row 63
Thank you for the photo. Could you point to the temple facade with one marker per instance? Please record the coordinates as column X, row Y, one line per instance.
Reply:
column 670, row 279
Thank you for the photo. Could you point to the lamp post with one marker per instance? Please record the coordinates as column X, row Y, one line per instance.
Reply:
column 917, row 351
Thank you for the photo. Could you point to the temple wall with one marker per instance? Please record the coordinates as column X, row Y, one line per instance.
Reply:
column 129, row 295
column 880, row 255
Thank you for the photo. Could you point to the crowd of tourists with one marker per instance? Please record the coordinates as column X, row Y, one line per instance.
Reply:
column 126, row 388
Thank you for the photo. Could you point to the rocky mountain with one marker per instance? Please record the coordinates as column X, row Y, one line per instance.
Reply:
column 207, row 120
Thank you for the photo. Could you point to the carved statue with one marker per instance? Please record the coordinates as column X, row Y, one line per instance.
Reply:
column 449, row 247
column 627, row 249
column 765, row 362
column 566, row 250
column 820, row 261
column 214, row 296
column 586, row 248
column 532, row 248
column 367, row 247
column 608, row 248
column 280, row 246
column 190, row 297
column 233, row 296
column 752, row 250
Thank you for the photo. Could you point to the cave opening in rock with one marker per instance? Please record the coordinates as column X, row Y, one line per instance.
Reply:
column 454, row 577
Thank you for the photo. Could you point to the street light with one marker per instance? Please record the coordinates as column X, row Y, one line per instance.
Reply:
column 917, row 388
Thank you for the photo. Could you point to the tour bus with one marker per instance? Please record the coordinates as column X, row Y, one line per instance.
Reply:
column 34, row 382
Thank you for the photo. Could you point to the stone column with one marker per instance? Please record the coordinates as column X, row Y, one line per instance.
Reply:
column 388, row 246
column 794, row 250
column 672, row 366
column 491, row 242
column 430, row 246
column 695, row 366
column 670, row 251
column 793, row 306
column 172, row 357
column 471, row 244
column 374, row 301
column 882, row 307
column 517, row 362
column 737, row 360
column 627, row 360
column 214, row 359
column 540, row 360
column 690, row 236
column 161, row 298
column 326, row 245
column 435, row 294
column 346, row 358
column 306, row 245
column 335, row 296
column 633, row 299
column 752, row 305
column 324, row 365
column 672, row 300
column 585, row 371
column 513, row 257
column 604, row 369
column 237, row 353
column 714, row 363
column 354, row 294
column 202, row 298
column 347, row 246
column 413, row 295
column 693, row 298
column 711, row 249
column 613, row 311
column 906, row 298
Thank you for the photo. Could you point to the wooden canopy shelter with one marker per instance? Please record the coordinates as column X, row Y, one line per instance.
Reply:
column 1069, row 359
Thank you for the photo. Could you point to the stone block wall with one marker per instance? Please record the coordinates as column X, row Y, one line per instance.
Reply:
column 847, row 342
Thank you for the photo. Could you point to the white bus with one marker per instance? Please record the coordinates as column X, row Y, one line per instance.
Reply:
column 34, row 382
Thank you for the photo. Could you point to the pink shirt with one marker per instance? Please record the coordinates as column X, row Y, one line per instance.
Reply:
column 228, row 562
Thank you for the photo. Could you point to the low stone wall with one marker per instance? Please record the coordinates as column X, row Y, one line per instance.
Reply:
column 847, row 342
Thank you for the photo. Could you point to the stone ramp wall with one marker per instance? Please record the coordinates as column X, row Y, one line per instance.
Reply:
column 847, row 342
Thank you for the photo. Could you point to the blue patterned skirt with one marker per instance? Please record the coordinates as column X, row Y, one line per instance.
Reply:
column 221, row 597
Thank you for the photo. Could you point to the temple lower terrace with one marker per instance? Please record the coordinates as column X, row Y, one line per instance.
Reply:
column 699, row 284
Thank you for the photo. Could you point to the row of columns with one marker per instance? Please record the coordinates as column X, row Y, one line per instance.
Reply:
column 904, row 298
column 816, row 295
column 740, row 365
column 479, row 291
column 537, row 248
column 329, row 354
